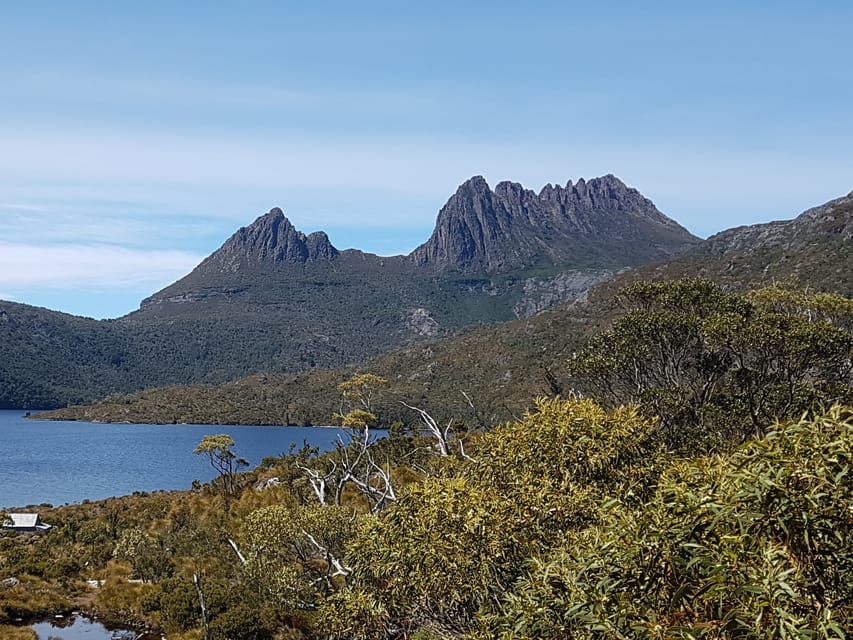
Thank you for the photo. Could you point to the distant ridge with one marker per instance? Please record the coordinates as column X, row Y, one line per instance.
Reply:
column 832, row 220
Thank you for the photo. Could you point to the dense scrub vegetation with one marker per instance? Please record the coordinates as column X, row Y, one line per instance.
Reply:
column 715, row 504
column 575, row 522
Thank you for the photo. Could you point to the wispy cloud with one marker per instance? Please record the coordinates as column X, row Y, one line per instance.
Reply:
column 236, row 177
column 165, row 91
column 17, row 207
column 73, row 266
column 64, row 224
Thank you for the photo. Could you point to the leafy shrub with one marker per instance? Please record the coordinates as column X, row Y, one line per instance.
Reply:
column 239, row 623
column 754, row 545
column 450, row 547
column 719, row 366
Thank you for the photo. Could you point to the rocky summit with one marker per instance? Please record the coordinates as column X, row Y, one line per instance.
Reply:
column 271, row 239
column 601, row 221
column 274, row 299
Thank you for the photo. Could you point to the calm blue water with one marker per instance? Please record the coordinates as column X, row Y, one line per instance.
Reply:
column 67, row 462
column 76, row 628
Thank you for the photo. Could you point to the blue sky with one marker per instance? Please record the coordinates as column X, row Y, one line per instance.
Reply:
column 136, row 137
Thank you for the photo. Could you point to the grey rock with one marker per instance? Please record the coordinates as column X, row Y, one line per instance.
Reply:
column 543, row 293
column 480, row 230
column 421, row 323
column 271, row 239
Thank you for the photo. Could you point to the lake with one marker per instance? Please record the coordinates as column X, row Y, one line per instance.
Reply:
column 68, row 462
column 78, row 628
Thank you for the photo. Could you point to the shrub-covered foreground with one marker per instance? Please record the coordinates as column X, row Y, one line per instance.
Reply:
column 573, row 523
column 756, row 544
column 690, row 514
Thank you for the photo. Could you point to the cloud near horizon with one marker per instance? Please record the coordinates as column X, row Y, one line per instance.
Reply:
column 63, row 267
column 320, row 180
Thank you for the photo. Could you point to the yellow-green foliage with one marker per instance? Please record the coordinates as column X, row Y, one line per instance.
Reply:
column 758, row 544
column 355, row 614
column 575, row 522
column 32, row 598
column 564, row 443
column 450, row 547
column 289, row 552
column 120, row 597
column 358, row 393
column 8, row 632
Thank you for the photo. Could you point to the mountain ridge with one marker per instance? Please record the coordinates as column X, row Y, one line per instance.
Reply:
column 503, row 366
column 600, row 224
column 294, row 303
column 480, row 229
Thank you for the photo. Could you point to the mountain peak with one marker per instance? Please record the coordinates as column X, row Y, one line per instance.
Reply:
column 476, row 184
column 271, row 240
column 512, row 227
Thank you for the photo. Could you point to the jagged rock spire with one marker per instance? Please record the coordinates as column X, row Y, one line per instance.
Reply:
column 269, row 240
column 512, row 227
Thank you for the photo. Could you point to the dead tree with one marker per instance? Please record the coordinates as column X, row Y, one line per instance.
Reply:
column 331, row 561
column 355, row 465
column 319, row 481
column 442, row 435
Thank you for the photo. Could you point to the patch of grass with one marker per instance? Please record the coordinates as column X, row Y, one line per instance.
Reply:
column 8, row 632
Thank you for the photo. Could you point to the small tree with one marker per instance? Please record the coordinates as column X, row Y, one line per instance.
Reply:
column 357, row 395
column 696, row 356
column 218, row 451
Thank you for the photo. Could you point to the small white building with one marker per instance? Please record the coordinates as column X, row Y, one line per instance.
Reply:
column 26, row 522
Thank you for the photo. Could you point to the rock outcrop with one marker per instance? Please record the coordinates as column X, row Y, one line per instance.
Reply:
column 599, row 221
column 269, row 240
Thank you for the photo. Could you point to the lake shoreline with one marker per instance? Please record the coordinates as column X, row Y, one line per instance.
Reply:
column 69, row 462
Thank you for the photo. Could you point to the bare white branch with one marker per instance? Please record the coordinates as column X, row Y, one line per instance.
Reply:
column 340, row 569
column 237, row 551
column 441, row 435
column 462, row 452
column 319, row 480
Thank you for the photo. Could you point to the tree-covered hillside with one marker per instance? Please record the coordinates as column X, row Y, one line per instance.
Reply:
column 492, row 374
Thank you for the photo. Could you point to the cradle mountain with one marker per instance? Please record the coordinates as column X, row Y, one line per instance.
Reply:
column 274, row 299
column 277, row 301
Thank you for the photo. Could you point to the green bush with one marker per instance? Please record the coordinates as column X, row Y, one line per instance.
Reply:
column 451, row 547
column 239, row 623
column 753, row 545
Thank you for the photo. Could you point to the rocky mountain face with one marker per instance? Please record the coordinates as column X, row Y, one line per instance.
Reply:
column 827, row 222
column 277, row 300
column 589, row 230
column 601, row 221
column 272, row 239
